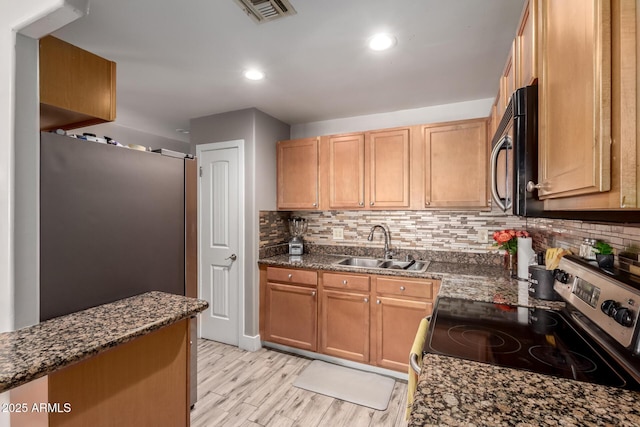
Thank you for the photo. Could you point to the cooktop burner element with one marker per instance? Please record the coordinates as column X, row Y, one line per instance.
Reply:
column 568, row 360
column 537, row 340
column 478, row 336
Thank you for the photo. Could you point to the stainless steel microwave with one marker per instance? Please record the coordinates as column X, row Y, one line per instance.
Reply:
column 514, row 156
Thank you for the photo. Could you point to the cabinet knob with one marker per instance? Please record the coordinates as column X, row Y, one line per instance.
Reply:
column 427, row 203
column 315, row 205
column 313, row 293
column 361, row 204
column 532, row 186
column 290, row 276
column 402, row 288
column 371, row 203
column 344, row 282
column 377, row 301
column 366, row 300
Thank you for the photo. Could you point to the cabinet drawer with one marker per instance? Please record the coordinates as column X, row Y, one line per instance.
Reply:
column 292, row 275
column 404, row 287
column 346, row 281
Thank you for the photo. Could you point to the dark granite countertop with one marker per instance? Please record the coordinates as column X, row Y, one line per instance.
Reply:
column 35, row 351
column 456, row 392
column 459, row 280
column 326, row 262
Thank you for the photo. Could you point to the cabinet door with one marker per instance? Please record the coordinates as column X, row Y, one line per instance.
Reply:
column 389, row 169
column 395, row 329
column 77, row 88
column 344, row 325
column 575, row 98
column 527, row 62
column 298, row 174
column 346, row 171
column 456, row 165
column 509, row 75
column 291, row 315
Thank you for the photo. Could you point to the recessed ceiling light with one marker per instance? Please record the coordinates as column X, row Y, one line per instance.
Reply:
column 254, row 74
column 382, row 42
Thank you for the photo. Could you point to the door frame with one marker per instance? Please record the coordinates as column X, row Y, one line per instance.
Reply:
column 239, row 144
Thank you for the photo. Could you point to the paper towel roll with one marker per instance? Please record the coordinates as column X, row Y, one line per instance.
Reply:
column 526, row 256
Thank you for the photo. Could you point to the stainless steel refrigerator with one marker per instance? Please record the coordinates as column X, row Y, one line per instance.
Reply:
column 114, row 223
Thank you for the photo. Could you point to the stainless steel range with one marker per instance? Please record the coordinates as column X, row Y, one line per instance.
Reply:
column 594, row 339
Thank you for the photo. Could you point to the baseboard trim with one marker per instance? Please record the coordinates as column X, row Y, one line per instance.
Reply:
column 338, row 361
column 250, row 343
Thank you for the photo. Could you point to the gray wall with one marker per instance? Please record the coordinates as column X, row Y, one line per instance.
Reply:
column 27, row 184
column 260, row 133
column 125, row 135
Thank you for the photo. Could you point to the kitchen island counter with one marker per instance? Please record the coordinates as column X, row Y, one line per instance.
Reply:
column 39, row 350
column 456, row 392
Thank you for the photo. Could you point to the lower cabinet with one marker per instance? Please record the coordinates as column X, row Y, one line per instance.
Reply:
column 291, row 310
column 400, row 305
column 345, row 316
column 364, row 318
column 396, row 322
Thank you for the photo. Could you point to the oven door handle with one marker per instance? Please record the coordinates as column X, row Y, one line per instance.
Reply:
column 414, row 359
column 504, row 143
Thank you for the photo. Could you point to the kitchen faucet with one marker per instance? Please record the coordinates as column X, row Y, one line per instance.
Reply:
column 388, row 253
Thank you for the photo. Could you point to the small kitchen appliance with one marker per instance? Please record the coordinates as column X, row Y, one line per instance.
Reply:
column 514, row 156
column 595, row 338
column 297, row 229
column 541, row 283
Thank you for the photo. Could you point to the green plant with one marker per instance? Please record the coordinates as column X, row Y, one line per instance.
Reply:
column 603, row 248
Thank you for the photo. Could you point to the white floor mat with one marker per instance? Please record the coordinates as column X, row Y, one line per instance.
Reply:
column 351, row 385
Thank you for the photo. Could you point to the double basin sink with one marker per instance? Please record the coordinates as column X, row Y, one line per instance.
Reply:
column 414, row 266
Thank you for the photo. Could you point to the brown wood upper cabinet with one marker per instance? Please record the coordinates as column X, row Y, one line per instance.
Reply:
column 507, row 83
column 389, row 168
column 345, row 170
column 599, row 139
column 367, row 170
column 574, row 97
column 298, row 177
column 456, row 164
column 77, row 88
column 526, row 64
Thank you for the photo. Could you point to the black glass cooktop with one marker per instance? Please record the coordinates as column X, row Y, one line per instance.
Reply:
column 536, row 340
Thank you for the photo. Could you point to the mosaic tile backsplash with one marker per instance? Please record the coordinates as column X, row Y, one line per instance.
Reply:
column 434, row 232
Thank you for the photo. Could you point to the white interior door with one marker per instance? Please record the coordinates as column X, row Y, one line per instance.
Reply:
column 220, row 243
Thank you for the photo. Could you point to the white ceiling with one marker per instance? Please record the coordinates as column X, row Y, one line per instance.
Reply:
column 179, row 60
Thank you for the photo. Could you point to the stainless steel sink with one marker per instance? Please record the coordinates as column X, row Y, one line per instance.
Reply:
column 418, row 266
column 361, row 262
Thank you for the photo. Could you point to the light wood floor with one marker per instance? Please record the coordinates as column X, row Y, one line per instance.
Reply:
column 241, row 388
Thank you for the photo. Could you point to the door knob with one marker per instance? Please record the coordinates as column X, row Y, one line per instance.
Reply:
column 232, row 257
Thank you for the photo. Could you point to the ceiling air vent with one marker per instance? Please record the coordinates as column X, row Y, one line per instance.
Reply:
column 266, row 10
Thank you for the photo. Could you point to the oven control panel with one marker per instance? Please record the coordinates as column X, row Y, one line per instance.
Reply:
column 613, row 306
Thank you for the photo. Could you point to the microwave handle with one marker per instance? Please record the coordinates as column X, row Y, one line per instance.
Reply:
column 494, row 172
